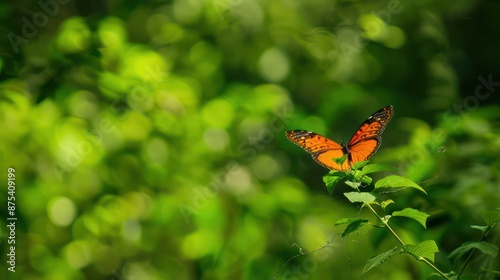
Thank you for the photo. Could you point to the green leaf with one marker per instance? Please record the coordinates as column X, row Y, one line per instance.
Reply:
column 483, row 246
column 353, row 224
column 364, row 197
column 354, row 185
column 481, row 228
column 425, row 249
column 335, row 173
column 346, row 221
column 366, row 180
column 331, row 182
column 395, row 181
column 357, row 176
column 359, row 164
column 386, row 202
column 411, row 213
column 451, row 275
column 491, row 217
column 386, row 218
column 340, row 160
column 380, row 259
column 372, row 168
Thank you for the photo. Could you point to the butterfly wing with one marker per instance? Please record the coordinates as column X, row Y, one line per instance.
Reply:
column 363, row 144
column 322, row 149
column 368, row 138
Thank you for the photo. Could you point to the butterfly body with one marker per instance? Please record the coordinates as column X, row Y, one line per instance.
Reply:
column 363, row 144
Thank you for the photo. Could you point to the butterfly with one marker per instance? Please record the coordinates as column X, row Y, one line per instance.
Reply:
column 363, row 144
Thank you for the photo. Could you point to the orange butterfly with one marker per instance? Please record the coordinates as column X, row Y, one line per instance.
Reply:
column 363, row 144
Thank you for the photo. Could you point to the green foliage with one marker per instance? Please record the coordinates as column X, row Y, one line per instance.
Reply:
column 380, row 259
column 365, row 198
column 331, row 180
column 484, row 247
column 384, row 203
column 148, row 137
column 412, row 214
column 373, row 168
column 424, row 251
column 353, row 224
column 395, row 182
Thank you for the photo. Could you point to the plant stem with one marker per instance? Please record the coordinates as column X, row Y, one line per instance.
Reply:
column 386, row 225
column 422, row 259
column 469, row 257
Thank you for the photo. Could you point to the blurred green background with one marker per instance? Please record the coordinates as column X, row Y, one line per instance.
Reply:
column 148, row 136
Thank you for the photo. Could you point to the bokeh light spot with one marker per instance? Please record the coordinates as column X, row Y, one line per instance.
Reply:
column 216, row 139
column 78, row 254
column 61, row 211
column 156, row 150
column 136, row 127
column 274, row 65
column 218, row 113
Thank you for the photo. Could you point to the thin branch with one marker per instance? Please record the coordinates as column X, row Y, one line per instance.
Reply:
column 301, row 252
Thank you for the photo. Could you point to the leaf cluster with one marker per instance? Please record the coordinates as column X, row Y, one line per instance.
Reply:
column 357, row 178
